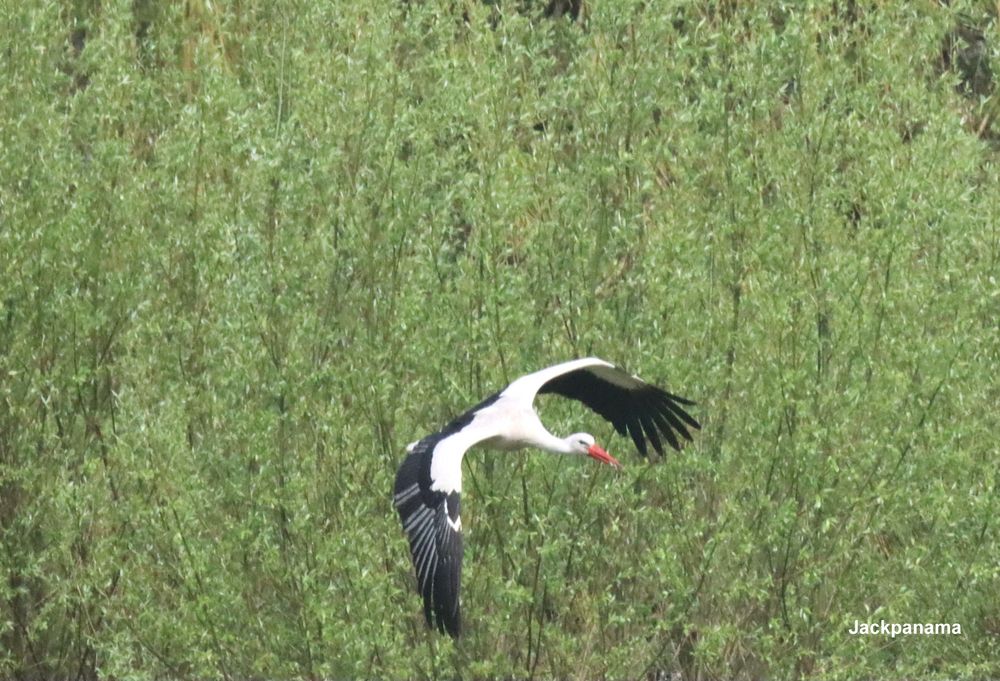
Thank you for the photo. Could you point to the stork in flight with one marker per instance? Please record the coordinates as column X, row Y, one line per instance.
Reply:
column 429, row 481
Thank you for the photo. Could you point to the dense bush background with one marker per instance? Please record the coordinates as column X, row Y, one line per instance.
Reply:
column 249, row 250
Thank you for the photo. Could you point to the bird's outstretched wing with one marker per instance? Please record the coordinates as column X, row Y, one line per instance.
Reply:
column 432, row 524
column 427, row 495
column 633, row 406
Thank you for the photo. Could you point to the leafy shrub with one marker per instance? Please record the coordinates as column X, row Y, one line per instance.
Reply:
column 249, row 251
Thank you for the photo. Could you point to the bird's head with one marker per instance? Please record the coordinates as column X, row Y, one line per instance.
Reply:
column 583, row 443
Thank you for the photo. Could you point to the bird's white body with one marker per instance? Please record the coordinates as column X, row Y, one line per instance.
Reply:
column 429, row 481
column 510, row 423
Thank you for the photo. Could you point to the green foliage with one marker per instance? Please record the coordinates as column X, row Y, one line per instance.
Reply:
column 249, row 250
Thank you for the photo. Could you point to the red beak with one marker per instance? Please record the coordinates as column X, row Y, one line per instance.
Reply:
column 599, row 454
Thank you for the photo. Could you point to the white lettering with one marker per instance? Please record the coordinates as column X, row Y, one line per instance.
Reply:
column 894, row 629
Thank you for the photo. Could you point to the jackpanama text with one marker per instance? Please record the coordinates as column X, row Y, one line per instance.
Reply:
column 894, row 629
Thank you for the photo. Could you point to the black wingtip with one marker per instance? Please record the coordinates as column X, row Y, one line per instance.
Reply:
column 450, row 626
column 447, row 620
column 686, row 417
column 680, row 400
column 438, row 617
column 635, row 430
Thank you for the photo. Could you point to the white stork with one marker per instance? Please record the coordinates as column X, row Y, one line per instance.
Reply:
column 429, row 480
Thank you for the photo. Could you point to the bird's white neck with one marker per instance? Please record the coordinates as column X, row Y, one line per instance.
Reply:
column 556, row 445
